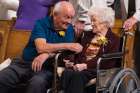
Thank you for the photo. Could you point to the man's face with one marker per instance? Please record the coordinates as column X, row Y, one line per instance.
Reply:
column 63, row 19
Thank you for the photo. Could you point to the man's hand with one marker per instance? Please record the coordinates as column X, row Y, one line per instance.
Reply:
column 80, row 67
column 76, row 47
column 129, row 23
column 38, row 62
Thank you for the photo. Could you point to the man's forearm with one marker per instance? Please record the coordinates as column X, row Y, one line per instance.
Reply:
column 50, row 48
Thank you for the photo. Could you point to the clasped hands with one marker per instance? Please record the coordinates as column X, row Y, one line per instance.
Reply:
column 76, row 67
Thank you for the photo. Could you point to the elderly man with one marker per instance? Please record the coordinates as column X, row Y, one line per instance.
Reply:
column 8, row 8
column 82, row 67
column 49, row 35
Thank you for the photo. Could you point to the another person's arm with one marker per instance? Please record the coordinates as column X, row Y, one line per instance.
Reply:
column 129, row 23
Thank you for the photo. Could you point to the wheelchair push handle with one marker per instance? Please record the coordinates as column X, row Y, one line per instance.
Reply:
column 126, row 33
column 113, row 55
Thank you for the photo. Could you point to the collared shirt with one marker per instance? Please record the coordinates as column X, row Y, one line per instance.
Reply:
column 8, row 8
column 44, row 28
column 137, row 13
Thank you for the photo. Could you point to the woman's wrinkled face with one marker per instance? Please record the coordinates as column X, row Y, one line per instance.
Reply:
column 98, row 25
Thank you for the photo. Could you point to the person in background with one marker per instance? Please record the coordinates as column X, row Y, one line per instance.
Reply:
column 31, row 10
column 50, row 34
column 8, row 9
column 133, row 10
column 81, row 68
column 134, row 17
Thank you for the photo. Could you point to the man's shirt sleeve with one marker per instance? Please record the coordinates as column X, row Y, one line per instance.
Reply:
column 38, row 31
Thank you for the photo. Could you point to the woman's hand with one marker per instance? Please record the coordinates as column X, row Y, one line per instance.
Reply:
column 80, row 67
column 68, row 64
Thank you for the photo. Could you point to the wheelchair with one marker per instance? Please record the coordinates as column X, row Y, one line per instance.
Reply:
column 114, row 80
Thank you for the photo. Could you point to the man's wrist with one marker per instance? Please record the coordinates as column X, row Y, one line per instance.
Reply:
column 48, row 54
column 66, row 46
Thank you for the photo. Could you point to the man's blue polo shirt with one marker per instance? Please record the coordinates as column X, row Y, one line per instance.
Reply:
column 44, row 28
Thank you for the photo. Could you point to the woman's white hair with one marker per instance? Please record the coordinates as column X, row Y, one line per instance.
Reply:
column 105, row 14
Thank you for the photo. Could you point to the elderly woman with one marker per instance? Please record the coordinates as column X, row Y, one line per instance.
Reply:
column 82, row 6
column 82, row 67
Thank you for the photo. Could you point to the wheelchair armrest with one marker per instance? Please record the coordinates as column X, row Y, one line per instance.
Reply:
column 112, row 55
column 115, row 55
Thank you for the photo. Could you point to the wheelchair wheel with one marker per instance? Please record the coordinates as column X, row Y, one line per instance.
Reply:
column 126, row 81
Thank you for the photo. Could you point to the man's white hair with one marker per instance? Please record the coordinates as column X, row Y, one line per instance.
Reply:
column 58, row 6
column 105, row 14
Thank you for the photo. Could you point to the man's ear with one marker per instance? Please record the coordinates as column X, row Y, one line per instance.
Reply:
column 55, row 13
